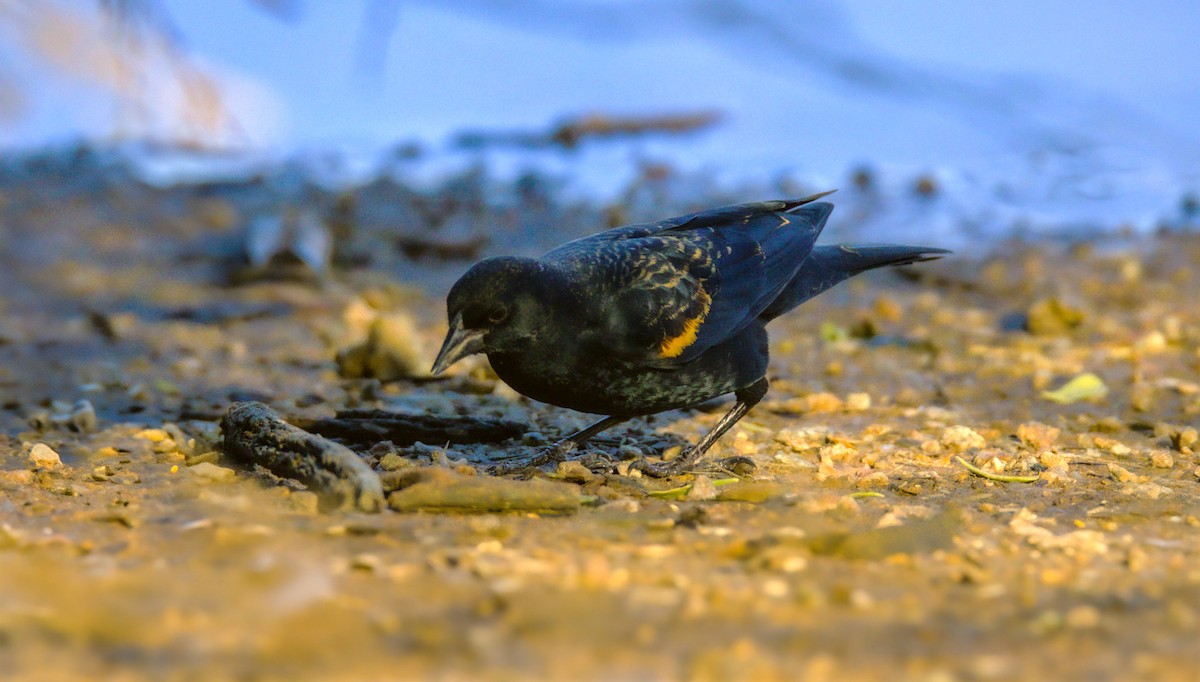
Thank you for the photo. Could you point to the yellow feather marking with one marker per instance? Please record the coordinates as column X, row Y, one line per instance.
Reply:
column 673, row 346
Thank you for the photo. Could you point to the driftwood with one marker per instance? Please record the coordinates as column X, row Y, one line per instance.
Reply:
column 255, row 434
column 371, row 426
column 571, row 132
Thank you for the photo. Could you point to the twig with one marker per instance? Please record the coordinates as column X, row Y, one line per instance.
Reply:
column 1003, row 478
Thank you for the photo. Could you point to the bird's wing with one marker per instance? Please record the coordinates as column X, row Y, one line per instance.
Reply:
column 723, row 217
column 690, row 283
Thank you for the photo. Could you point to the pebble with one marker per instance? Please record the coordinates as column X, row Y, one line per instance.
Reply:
column 821, row 402
column 1037, row 434
column 799, row 440
column 392, row 351
column 743, row 445
column 1052, row 317
column 212, row 457
column 1083, row 617
column 304, row 501
column 212, row 472
column 434, row 490
column 1185, row 438
column 1122, row 474
column 43, row 455
column 875, row 479
column 1161, row 459
column 573, row 471
column 961, row 438
column 1141, row 397
column 394, row 462
column 153, row 435
column 83, row 416
column 702, row 489
column 1053, row 460
column 858, row 402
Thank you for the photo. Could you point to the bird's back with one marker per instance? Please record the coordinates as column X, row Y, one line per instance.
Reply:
column 663, row 293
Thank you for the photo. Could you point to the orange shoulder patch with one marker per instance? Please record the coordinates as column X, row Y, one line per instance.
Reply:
column 673, row 346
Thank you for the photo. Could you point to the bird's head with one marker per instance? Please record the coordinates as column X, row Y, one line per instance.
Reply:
column 492, row 308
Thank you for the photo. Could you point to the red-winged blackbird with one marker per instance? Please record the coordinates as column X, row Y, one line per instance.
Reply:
column 653, row 317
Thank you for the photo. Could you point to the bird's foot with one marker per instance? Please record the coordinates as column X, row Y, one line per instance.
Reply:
column 552, row 453
column 736, row 465
column 596, row 462
column 666, row 469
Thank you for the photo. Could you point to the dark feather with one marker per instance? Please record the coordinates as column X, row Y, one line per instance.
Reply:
column 679, row 287
column 826, row 266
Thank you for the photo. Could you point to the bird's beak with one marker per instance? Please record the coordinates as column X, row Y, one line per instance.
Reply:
column 459, row 344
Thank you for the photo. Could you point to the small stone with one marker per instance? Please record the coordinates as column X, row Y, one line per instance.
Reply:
column 743, row 445
column 822, row 402
column 702, row 489
column 305, row 501
column 1037, row 434
column 799, row 440
column 1053, row 460
column 1083, row 617
column 1114, row 446
column 212, row 472
column 1161, row 459
column 671, row 453
column 838, row 452
column 153, row 435
column 165, row 446
column 1152, row 343
column 42, row 455
column 369, row 563
column 103, row 473
column 1141, row 397
column 1052, row 317
column 858, row 402
column 961, row 438
column 394, row 462
column 392, row 351
column 40, row 421
column 875, row 479
column 212, row 457
column 887, row 308
column 1185, row 438
column 573, row 471
column 83, row 416
column 1121, row 474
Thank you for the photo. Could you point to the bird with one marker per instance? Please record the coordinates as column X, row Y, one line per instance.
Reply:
column 646, row 318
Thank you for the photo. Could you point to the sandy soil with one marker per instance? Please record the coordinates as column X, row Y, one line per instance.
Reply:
column 862, row 547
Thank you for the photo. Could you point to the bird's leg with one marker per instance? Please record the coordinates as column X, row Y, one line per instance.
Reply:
column 746, row 398
column 559, row 450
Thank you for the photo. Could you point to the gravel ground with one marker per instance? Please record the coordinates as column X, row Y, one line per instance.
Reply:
column 985, row 470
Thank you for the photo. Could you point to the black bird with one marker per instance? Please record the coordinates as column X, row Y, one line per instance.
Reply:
column 653, row 317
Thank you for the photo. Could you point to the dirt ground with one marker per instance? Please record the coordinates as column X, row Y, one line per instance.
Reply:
column 862, row 547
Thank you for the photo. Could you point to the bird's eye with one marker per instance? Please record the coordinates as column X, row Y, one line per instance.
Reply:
column 498, row 315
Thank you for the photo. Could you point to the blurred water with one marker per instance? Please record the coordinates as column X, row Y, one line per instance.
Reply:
column 1063, row 117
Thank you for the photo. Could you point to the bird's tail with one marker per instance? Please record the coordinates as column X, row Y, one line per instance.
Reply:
column 826, row 266
column 854, row 259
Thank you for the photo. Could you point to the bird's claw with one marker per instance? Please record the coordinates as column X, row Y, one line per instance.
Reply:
column 737, row 465
column 660, row 469
column 596, row 462
column 553, row 453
